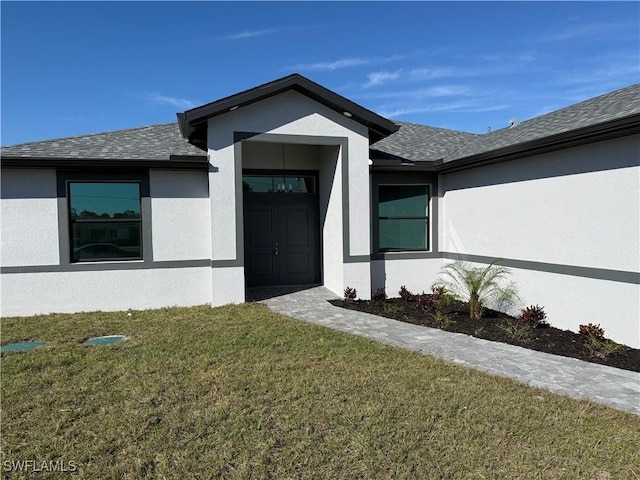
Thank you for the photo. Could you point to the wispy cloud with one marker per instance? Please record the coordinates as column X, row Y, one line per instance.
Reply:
column 408, row 75
column 330, row 66
column 585, row 30
column 349, row 62
column 414, row 94
column 164, row 100
column 249, row 34
column 378, row 78
column 245, row 34
column 456, row 106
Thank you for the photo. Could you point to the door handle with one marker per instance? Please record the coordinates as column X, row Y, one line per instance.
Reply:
column 276, row 250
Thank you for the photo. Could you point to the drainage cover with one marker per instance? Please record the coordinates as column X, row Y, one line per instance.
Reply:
column 106, row 340
column 20, row 346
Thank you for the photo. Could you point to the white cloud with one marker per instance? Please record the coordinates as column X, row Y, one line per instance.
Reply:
column 456, row 106
column 249, row 34
column 588, row 30
column 350, row 62
column 159, row 99
column 330, row 66
column 378, row 78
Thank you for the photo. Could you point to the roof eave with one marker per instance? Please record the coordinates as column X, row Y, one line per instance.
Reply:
column 173, row 162
column 193, row 122
column 620, row 127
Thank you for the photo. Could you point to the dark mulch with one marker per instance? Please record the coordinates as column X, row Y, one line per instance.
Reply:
column 549, row 340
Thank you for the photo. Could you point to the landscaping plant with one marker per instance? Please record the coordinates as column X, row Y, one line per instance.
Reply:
column 350, row 294
column 592, row 330
column 406, row 295
column 379, row 295
column 534, row 316
column 480, row 287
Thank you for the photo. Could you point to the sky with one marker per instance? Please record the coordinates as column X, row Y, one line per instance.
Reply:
column 74, row 68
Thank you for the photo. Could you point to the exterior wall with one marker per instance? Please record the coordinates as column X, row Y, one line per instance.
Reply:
column 290, row 118
column 416, row 274
column 551, row 213
column 180, row 215
column 29, row 216
column 110, row 290
column 36, row 280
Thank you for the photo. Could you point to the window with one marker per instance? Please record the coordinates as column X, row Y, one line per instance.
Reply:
column 105, row 220
column 403, row 217
column 278, row 184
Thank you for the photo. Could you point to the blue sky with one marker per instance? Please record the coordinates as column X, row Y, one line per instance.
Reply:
column 86, row 67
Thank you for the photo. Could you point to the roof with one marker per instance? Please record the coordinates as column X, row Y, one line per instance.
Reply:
column 421, row 143
column 611, row 108
column 156, row 143
column 607, row 116
column 193, row 122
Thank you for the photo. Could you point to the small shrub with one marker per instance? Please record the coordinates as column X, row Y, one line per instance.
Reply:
column 520, row 332
column 479, row 286
column 601, row 348
column 406, row 295
column 425, row 302
column 392, row 308
column 591, row 330
column 350, row 294
column 438, row 292
column 534, row 316
column 379, row 295
column 443, row 320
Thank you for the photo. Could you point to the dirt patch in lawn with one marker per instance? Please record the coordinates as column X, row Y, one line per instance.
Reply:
column 500, row 327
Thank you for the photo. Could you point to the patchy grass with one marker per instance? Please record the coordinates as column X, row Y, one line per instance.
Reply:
column 241, row 392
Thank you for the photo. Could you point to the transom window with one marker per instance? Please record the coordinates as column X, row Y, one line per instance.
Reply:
column 279, row 184
column 105, row 221
column 403, row 217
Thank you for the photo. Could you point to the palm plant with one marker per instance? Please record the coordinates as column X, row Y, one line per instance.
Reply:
column 479, row 286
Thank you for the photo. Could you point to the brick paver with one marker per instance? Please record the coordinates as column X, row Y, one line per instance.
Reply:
column 568, row 376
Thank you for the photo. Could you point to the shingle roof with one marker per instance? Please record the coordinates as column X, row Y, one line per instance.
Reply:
column 422, row 143
column 154, row 142
column 412, row 141
column 605, row 108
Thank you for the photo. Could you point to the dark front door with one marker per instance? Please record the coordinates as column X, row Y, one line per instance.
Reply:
column 281, row 239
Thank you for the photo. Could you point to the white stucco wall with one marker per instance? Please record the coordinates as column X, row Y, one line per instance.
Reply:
column 37, row 293
column 588, row 219
column 290, row 114
column 416, row 274
column 30, row 241
column 180, row 215
column 559, row 208
column 28, row 218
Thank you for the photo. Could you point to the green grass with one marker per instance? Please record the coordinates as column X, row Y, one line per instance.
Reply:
column 240, row 392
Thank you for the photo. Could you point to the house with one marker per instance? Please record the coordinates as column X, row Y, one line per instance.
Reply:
column 290, row 183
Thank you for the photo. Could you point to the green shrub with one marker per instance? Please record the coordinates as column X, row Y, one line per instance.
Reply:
column 520, row 332
column 480, row 287
column 602, row 348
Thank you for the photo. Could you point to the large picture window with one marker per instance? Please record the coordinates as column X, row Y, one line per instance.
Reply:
column 403, row 217
column 105, row 220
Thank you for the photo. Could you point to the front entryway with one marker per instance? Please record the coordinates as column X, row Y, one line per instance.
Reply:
column 281, row 230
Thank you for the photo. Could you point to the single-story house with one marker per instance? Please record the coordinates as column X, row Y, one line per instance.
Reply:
column 290, row 183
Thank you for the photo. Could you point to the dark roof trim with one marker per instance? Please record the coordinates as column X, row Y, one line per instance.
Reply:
column 193, row 123
column 175, row 162
column 605, row 131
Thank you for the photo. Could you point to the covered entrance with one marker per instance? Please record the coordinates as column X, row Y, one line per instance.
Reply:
column 281, row 228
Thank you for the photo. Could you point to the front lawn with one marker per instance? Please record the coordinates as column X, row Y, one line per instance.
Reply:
column 241, row 392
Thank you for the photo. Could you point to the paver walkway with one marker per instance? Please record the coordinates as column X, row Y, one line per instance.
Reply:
column 568, row 376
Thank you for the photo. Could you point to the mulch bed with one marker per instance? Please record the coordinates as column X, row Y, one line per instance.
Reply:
column 491, row 327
